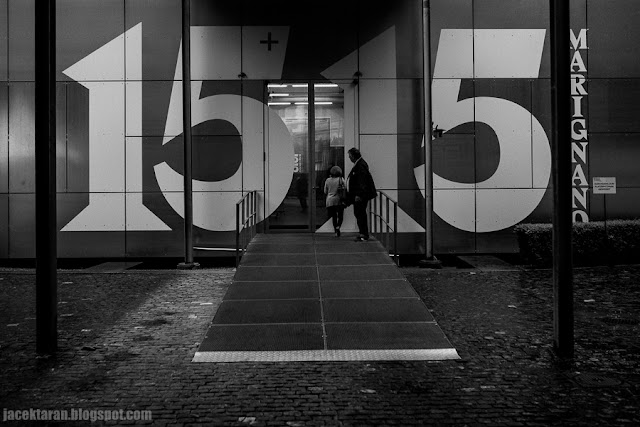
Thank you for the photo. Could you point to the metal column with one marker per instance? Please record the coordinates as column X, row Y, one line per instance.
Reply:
column 561, row 171
column 186, row 133
column 45, row 148
column 311, row 182
column 430, row 260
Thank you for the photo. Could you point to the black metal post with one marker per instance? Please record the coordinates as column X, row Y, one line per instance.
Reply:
column 561, row 167
column 45, row 147
column 395, row 234
column 311, row 163
column 186, row 133
column 237, row 234
column 429, row 261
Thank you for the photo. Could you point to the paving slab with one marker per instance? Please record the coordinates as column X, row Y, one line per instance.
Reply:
column 253, row 259
column 357, row 258
column 279, row 247
column 487, row 263
column 376, row 310
column 268, row 312
column 385, row 336
column 260, row 273
column 389, row 288
column 112, row 267
column 281, row 337
column 273, row 290
column 328, row 299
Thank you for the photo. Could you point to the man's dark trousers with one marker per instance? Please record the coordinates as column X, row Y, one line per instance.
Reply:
column 360, row 212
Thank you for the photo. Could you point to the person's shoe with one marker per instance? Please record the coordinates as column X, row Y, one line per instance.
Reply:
column 359, row 239
column 337, row 231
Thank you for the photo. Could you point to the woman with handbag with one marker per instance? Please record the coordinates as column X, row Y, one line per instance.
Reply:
column 336, row 191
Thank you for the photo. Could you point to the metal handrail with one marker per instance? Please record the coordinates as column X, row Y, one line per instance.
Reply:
column 379, row 218
column 246, row 222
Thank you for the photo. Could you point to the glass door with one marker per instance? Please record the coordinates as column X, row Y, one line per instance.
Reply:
column 314, row 116
column 328, row 142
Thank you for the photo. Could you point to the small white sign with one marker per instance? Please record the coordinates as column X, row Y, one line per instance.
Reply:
column 604, row 185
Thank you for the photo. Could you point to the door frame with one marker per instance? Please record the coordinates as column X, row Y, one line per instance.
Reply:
column 351, row 138
column 310, row 158
column 311, row 164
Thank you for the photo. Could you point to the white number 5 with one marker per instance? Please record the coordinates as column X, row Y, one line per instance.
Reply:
column 520, row 180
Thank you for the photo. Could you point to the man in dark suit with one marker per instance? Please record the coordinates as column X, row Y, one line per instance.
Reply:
column 361, row 189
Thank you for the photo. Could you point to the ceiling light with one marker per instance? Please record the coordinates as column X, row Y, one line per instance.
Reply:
column 275, row 85
column 302, row 103
column 299, row 85
column 323, row 103
column 326, row 85
column 279, row 103
column 278, row 94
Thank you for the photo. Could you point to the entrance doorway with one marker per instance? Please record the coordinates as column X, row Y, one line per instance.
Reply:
column 314, row 115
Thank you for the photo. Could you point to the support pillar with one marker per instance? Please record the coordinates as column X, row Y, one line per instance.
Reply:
column 186, row 133
column 45, row 150
column 311, row 162
column 563, row 338
column 429, row 261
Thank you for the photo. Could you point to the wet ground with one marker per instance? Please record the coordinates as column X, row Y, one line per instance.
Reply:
column 126, row 341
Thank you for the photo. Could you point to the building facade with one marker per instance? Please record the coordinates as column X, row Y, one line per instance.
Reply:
column 282, row 89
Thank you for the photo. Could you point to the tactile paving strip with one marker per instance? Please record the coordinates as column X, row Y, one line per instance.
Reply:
column 325, row 355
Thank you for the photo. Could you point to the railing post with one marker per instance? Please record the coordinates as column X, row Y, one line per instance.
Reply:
column 383, row 221
column 387, row 218
column 246, row 222
column 372, row 214
column 252, row 204
column 376, row 218
column 380, row 216
column 395, row 233
column 245, row 206
column 255, row 214
column 237, row 234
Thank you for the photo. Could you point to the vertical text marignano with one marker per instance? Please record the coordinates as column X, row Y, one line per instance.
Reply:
column 579, row 135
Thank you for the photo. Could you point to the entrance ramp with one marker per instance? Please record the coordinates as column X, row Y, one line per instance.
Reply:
column 316, row 297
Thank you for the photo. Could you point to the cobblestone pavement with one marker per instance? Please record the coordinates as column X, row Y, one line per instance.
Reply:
column 126, row 341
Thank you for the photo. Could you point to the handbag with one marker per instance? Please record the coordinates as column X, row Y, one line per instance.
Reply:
column 342, row 192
